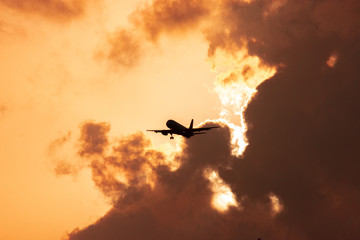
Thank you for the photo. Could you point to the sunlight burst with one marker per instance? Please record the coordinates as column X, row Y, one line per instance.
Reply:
column 238, row 76
column 223, row 197
column 276, row 205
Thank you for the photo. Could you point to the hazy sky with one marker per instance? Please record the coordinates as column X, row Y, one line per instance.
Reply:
column 52, row 80
column 81, row 81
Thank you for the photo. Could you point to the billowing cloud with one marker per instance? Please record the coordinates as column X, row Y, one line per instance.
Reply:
column 304, row 134
column 303, row 147
column 151, row 200
column 297, row 178
column 287, row 30
column 164, row 16
column 148, row 22
column 94, row 138
column 53, row 9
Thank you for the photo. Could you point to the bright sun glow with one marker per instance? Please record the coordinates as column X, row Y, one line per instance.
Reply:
column 332, row 60
column 238, row 76
column 238, row 97
column 223, row 198
column 275, row 204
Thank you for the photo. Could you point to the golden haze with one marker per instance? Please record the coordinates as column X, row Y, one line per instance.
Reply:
column 55, row 76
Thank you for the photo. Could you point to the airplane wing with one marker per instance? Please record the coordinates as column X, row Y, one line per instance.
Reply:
column 161, row 131
column 202, row 129
column 196, row 133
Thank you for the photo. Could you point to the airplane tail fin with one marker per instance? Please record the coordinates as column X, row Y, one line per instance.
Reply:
column 191, row 124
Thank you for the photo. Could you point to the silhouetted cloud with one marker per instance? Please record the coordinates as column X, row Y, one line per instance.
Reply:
column 304, row 132
column 304, row 140
column 156, row 202
column 288, row 29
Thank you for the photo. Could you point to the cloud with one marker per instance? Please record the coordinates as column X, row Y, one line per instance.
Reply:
column 303, row 134
column 123, row 48
column 303, row 147
column 152, row 201
column 303, row 123
column 94, row 138
column 164, row 16
column 148, row 22
column 58, row 151
column 52, row 9
column 268, row 29
column 284, row 32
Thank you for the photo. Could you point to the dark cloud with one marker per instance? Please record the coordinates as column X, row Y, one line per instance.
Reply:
column 165, row 204
column 52, row 9
column 304, row 138
column 173, row 204
column 291, row 28
column 156, row 202
column 304, row 132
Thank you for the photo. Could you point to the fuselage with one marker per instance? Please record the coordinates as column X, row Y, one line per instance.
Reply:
column 179, row 129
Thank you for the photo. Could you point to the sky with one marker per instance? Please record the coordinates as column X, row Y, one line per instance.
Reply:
column 81, row 81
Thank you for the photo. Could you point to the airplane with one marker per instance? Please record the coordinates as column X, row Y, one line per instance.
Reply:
column 177, row 128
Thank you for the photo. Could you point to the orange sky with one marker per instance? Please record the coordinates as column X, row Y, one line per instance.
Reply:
column 52, row 81
column 280, row 163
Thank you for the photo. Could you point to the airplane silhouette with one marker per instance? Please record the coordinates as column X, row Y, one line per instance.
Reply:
column 177, row 128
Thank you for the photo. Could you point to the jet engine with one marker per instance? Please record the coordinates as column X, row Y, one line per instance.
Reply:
column 164, row 133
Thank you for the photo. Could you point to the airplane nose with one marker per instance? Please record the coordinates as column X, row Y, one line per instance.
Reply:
column 168, row 123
